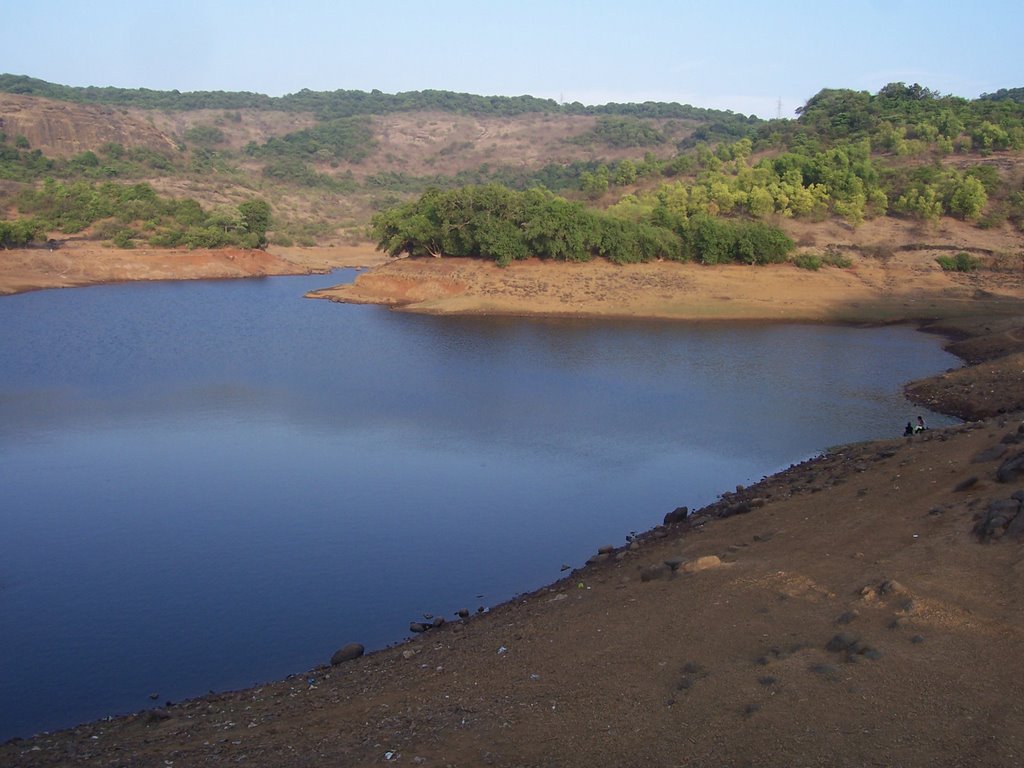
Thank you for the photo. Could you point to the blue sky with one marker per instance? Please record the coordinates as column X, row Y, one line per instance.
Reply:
column 738, row 55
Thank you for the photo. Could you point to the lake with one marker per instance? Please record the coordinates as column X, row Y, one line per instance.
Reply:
column 208, row 485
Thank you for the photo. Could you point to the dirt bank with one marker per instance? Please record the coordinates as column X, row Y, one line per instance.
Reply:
column 72, row 263
column 841, row 613
column 907, row 287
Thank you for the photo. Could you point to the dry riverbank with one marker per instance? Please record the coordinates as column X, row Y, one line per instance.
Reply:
column 74, row 263
column 845, row 612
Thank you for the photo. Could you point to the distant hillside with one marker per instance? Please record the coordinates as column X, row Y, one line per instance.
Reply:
column 327, row 161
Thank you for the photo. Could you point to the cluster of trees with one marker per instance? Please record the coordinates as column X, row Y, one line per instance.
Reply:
column 18, row 162
column 345, row 139
column 125, row 213
column 912, row 119
column 845, row 180
column 498, row 223
column 622, row 132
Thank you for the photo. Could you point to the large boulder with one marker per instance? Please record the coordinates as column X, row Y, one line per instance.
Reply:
column 347, row 653
column 1011, row 469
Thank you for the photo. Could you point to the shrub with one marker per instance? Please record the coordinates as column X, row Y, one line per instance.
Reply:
column 838, row 260
column 807, row 261
column 123, row 239
column 962, row 262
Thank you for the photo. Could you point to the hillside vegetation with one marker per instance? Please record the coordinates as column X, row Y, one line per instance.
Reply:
column 498, row 177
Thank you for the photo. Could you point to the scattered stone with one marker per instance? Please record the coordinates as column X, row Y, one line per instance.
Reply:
column 673, row 563
column 892, row 587
column 702, row 564
column 989, row 454
column 764, row 536
column 418, row 627
column 1001, row 513
column 677, row 515
column 840, row 642
column 408, row 655
column 654, row 572
column 462, row 613
column 347, row 653
column 607, row 549
column 155, row 716
column 740, row 508
column 1011, row 469
column 598, row 558
column 767, row 680
column 438, row 622
column 965, row 485
column 828, row 671
column 917, row 639
column 1015, row 530
column 750, row 709
column 847, row 617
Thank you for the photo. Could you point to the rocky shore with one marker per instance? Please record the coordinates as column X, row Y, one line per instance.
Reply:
column 861, row 608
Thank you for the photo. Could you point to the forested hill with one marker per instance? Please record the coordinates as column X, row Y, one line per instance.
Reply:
column 139, row 166
column 328, row 105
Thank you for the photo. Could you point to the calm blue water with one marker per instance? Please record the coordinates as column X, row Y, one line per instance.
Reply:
column 211, row 484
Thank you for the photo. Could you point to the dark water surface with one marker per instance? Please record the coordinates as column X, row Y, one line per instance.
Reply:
column 211, row 484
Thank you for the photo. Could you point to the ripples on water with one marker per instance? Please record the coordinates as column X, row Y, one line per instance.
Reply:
column 212, row 484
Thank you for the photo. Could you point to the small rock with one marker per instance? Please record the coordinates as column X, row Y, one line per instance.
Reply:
column 989, row 454
column 462, row 613
column 1011, row 469
column 677, row 515
column 607, row 549
column 418, row 627
column 827, row 671
column 966, row 484
column 408, row 655
column 892, row 587
column 916, row 639
column 654, row 572
column 702, row 564
column 438, row 622
column 846, row 617
column 673, row 563
column 155, row 715
column 347, row 653
column 840, row 642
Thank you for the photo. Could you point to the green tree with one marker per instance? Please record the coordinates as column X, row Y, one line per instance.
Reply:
column 625, row 173
column 255, row 215
column 968, row 198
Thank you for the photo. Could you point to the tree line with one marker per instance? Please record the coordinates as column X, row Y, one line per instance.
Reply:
column 498, row 223
column 331, row 105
